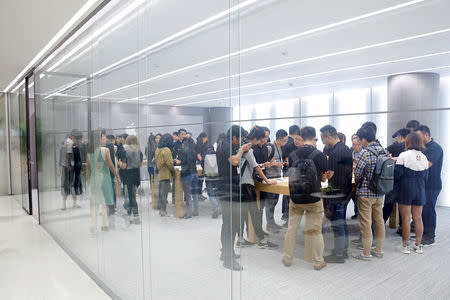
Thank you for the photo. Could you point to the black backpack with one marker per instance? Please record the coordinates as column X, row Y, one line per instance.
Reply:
column 382, row 181
column 303, row 178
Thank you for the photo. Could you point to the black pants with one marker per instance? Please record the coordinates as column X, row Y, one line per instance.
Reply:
column 132, row 203
column 231, row 220
column 111, row 208
column 164, row 188
column 77, row 185
column 249, row 206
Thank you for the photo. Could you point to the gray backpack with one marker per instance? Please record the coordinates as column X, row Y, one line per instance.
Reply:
column 382, row 181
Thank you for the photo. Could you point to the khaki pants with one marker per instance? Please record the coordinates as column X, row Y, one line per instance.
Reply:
column 313, row 231
column 371, row 210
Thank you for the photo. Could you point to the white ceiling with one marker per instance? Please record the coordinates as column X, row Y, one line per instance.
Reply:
column 26, row 26
column 194, row 69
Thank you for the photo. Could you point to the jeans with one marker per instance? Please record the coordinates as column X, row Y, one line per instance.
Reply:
column 132, row 204
column 211, row 189
column 271, row 202
column 231, row 218
column 339, row 226
column 163, row 191
column 370, row 210
column 250, row 207
column 429, row 214
column 285, row 207
column 190, row 194
column 314, row 244
column 151, row 171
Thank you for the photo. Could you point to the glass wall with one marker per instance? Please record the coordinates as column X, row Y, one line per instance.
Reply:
column 144, row 68
column 4, row 181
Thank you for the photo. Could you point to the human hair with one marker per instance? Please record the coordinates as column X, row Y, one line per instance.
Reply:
column 414, row 142
column 354, row 136
column 182, row 129
column 125, row 136
column 166, row 141
column 200, row 138
column 366, row 133
column 294, row 129
column 403, row 132
column 160, row 135
column 329, row 130
column 281, row 134
column 236, row 131
column 342, row 137
column 94, row 140
column 308, row 133
column 265, row 128
column 175, row 133
column 256, row 133
column 423, row 129
column 132, row 140
column 189, row 144
column 412, row 124
column 371, row 125
column 110, row 137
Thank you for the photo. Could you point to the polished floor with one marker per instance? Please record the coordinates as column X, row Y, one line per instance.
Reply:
column 168, row 258
column 33, row 265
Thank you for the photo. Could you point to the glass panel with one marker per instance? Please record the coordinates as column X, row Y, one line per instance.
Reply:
column 3, row 146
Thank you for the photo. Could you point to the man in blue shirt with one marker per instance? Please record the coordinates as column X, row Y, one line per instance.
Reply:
column 433, row 185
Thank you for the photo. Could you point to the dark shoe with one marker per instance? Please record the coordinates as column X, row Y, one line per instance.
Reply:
column 267, row 245
column 399, row 231
column 428, row 242
column 354, row 217
column 334, row 259
column 244, row 243
column 187, row 216
column 233, row 265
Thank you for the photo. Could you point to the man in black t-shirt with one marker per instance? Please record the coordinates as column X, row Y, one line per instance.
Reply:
column 339, row 176
column 294, row 134
column 394, row 149
column 229, row 154
column 310, row 206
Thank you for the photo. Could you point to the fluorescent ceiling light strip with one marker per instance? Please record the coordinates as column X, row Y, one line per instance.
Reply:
column 75, row 19
column 181, row 33
column 271, row 67
column 271, row 43
column 315, row 85
column 130, row 8
column 233, row 9
column 307, row 75
column 151, row 47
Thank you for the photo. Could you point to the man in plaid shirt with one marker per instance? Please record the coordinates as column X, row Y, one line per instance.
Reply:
column 370, row 205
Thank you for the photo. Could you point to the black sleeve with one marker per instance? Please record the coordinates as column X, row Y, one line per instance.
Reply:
column 333, row 160
column 321, row 164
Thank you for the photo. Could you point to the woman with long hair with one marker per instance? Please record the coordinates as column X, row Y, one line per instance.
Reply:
column 132, row 176
column 98, row 167
column 164, row 165
column 411, row 171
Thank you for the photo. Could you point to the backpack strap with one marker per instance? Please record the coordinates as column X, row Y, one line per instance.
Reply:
column 313, row 154
column 272, row 153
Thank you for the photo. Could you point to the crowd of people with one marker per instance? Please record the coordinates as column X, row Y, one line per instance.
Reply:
column 408, row 172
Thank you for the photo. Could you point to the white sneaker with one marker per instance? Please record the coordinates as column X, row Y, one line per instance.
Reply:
column 418, row 249
column 405, row 249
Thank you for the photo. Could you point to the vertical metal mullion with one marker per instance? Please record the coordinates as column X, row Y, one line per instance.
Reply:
column 27, row 136
column 8, row 141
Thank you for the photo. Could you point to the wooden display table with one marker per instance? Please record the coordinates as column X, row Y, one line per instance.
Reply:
column 282, row 187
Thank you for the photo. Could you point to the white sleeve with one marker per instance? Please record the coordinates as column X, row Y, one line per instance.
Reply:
column 401, row 159
column 69, row 146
